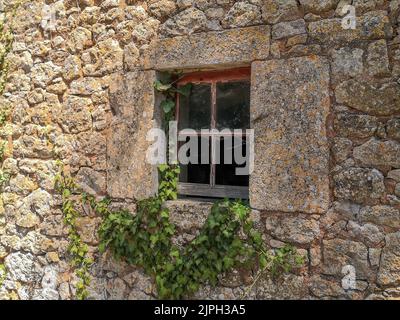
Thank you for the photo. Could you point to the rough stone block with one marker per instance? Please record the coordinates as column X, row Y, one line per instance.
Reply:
column 361, row 185
column 364, row 96
column 292, row 229
column 289, row 106
column 318, row 6
column 351, row 125
column 389, row 270
column 393, row 129
column 230, row 47
column 378, row 59
column 274, row 11
column 347, row 62
column 381, row 215
column 290, row 286
column 338, row 253
column 378, row 153
column 372, row 25
column 132, row 103
column 288, row 29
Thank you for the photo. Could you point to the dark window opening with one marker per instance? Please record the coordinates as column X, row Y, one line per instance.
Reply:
column 218, row 100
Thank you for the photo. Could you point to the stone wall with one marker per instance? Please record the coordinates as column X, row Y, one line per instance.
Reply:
column 326, row 99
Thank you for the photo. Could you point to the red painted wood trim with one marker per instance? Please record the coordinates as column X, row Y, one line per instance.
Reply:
column 216, row 76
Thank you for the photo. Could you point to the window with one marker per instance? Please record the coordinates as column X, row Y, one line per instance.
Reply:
column 218, row 112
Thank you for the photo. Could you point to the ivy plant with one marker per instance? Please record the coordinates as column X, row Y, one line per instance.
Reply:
column 167, row 87
column 3, row 274
column 227, row 240
column 6, row 42
column 78, row 250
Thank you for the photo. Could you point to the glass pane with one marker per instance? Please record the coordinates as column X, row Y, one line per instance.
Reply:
column 231, row 152
column 197, row 172
column 233, row 105
column 195, row 110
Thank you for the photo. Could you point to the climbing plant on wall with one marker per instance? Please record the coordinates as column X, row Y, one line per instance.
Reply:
column 78, row 250
column 6, row 42
column 227, row 240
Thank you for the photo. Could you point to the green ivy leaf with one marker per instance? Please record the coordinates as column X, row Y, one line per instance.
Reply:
column 167, row 105
column 159, row 86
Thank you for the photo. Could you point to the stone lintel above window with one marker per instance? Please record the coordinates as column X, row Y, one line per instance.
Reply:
column 212, row 49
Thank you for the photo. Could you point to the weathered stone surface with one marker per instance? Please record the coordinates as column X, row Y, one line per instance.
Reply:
column 362, row 6
column 291, row 162
column 360, row 185
column 145, row 31
column 23, row 267
column 53, row 226
column 347, row 62
column 72, row 68
column 116, row 289
column 292, row 229
column 187, row 215
column 367, row 97
column 45, row 294
column 131, row 56
column 87, row 228
column 381, row 215
column 393, row 129
column 85, row 86
column 389, row 270
column 89, row 150
column 132, row 101
column 296, row 40
column 32, row 207
column 60, row 108
column 79, row 39
column 235, row 46
column 289, row 287
column 64, row 291
column 394, row 174
column 242, row 14
column 374, row 256
column 75, row 115
column 108, row 4
column 367, row 233
column 274, row 11
column 338, row 253
column 162, row 8
column 321, row 287
column 49, row 280
column 43, row 74
column 91, row 181
column 31, row 242
column 318, row 6
column 378, row 153
column 352, row 125
column 186, row 22
column 341, row 149
column 378, row 59
column 301, row 50
column 372, row 25
column 105, row 57
column 288, row 29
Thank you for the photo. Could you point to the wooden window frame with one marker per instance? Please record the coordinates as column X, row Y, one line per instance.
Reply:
column 212, row 78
